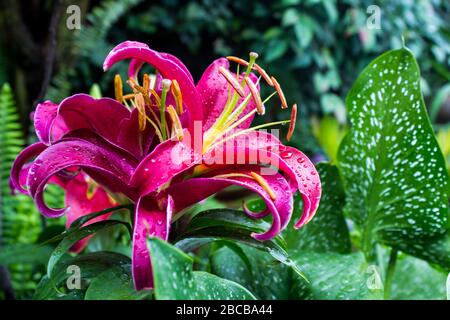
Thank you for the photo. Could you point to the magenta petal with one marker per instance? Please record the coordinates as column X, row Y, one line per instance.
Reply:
column 201, row 188
column 162, row 164
column 149, row 221
column 298, row 168
column 132, row 139
column 98, row 158
column 102, row 116
column 213, row 89
column 307, row 178
column 169, row 67
column 81, row 204
column 44, row 116
column 134, row 67
column 24, row 156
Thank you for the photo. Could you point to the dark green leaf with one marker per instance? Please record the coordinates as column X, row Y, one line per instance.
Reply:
column 74, row 237
column 232, row 225
column 327, row 231
column 266, row 279
column 414, row 279
column 114, row 284
column 90, row 264
column 336, row 276
column 174, row 278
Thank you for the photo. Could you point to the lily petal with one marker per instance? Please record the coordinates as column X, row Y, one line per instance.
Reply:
column 82, row 111
column 213, row 88
column 132, row 139
column 169, row 66
column 149, row 221
column 166, row 161
column 297, row 167
column 307, row 180
column 97, row 157
column 44, row 122
column 201, row 188
column 81, row 203
column 24, row 156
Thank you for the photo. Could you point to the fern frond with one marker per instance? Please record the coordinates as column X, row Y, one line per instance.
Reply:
column 19, row 219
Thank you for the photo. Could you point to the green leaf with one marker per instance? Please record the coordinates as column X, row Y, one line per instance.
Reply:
column 231, row 225
column 327, row 231
column 435, row 250
column 114, row 284
column 394, row 173
column 266, row 278
column 91, row 265
column 414, row 279
column 336, row 276
column 174, row 278
column 74, row 237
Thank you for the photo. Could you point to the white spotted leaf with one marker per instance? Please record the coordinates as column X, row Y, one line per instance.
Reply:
column 394, row 173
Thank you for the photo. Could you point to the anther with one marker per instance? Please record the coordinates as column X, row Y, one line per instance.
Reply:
column 280, row 93
column 264, row 74
column 255, row 95
column 146, row 82
column 176, row 123
column 232, row 80
column 140, row 105
column 176, row 92
column 118, row 88
column 264, row 184
column 292, row 123
column 256, row 67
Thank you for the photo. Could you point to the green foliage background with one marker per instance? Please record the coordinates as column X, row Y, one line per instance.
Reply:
column 315, row 48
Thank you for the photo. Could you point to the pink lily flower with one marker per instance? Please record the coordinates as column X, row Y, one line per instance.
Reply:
column 181, row 143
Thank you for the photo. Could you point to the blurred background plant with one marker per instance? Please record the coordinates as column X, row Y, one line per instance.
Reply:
column 316, row 48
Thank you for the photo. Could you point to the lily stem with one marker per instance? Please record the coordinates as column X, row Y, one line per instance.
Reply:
column 390, row 273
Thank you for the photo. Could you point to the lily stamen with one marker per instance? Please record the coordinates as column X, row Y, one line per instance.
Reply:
column 176, row 123
column 146, row 82
column 140, row 105
column 264, row 184
column 256, row 97
column 280, row 93
column 118, row 88
column 232, row 81
column 256, row 67
column 176, row 92
column 292, row 123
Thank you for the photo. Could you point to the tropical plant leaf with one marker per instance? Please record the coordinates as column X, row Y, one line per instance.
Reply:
column 114, row 284
column 232, row 225
column 394, row 174
column 327, row 231
column 90, row 265
column 174, row 278
column 266, row 278
column 334, row 276
column 75, row 236
column 414, row 279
